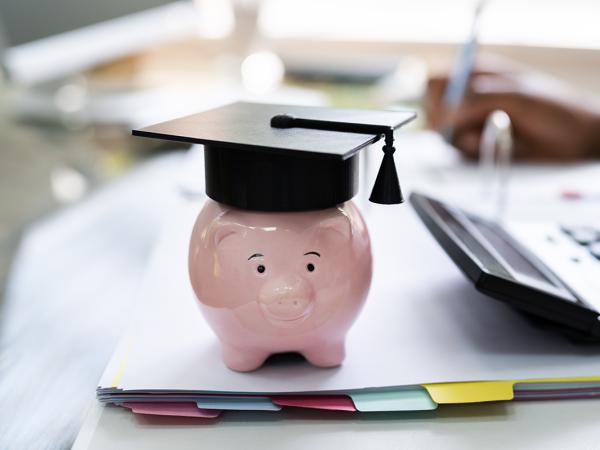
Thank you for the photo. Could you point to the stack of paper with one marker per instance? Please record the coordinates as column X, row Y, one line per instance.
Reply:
column 424, row 338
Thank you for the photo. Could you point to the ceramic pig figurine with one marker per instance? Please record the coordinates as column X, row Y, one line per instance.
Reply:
column 280, row 282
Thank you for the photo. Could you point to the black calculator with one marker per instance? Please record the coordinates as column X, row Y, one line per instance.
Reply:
column 548, row 270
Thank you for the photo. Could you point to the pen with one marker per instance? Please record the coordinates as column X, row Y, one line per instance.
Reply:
column 463, row 66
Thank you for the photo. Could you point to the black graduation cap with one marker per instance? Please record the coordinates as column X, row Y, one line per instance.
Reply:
column 287, row 158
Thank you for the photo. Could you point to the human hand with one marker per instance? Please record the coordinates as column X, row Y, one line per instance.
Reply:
column 549, row 120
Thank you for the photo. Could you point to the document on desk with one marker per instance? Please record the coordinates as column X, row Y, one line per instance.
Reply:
column 424, row 331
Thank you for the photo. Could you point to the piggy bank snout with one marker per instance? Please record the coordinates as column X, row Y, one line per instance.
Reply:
column 287, row 298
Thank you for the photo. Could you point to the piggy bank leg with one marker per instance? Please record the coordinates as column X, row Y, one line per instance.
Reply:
column 243, row 360
column 328, row 354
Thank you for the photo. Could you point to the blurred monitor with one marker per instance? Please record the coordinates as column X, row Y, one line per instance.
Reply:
column 45, row 40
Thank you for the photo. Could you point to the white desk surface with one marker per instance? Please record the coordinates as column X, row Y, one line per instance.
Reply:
column 499, row 425
column 548, row 425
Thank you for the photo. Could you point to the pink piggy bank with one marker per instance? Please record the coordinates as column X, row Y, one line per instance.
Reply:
column 280, row 282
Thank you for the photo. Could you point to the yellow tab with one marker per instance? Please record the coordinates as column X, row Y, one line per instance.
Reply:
column 486, row 391
column 470, row 391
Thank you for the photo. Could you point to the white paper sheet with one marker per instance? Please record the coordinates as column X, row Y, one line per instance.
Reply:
column 423, row 323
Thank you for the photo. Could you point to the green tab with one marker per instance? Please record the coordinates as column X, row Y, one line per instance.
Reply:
column 413, row 398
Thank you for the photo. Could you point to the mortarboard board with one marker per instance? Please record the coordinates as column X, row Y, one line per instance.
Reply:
column 287, row 158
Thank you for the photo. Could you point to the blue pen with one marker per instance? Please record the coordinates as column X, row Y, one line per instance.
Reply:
column 459, row 79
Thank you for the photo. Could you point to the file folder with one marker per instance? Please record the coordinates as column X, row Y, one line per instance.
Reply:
column 437, row 341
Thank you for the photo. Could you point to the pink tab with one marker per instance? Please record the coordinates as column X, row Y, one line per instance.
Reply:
column 180, row 409
column 330, row 402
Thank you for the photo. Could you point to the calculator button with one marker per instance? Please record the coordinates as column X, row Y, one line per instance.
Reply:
column 566, row 229
column 595, row 250
column 583, row 235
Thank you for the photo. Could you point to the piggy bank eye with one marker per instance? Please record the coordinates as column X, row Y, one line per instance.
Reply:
column 261, row 269
column 310, row 267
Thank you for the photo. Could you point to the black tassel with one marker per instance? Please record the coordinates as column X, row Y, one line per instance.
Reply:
column 386, row 190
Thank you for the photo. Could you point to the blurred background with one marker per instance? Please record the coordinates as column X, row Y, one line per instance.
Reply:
column 78, row 75
column 81, row 201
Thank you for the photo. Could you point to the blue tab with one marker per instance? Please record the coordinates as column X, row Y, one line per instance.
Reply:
column 233, row 402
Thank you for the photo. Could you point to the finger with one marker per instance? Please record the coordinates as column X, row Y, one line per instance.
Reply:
column 475, row 110
column 495, row 84
column 435, row 110
column 524, row 150
column 468, row 142
column 432, row 101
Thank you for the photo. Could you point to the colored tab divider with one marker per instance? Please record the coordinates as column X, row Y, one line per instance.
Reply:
column 470, row 391
column 486, row 391
column 327, row 402
column 412, row 398
column 236, row 402
column 179, row 409
column 409, row 398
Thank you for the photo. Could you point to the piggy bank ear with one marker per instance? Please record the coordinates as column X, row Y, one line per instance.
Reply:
column 338, row 227
column 222, row 231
